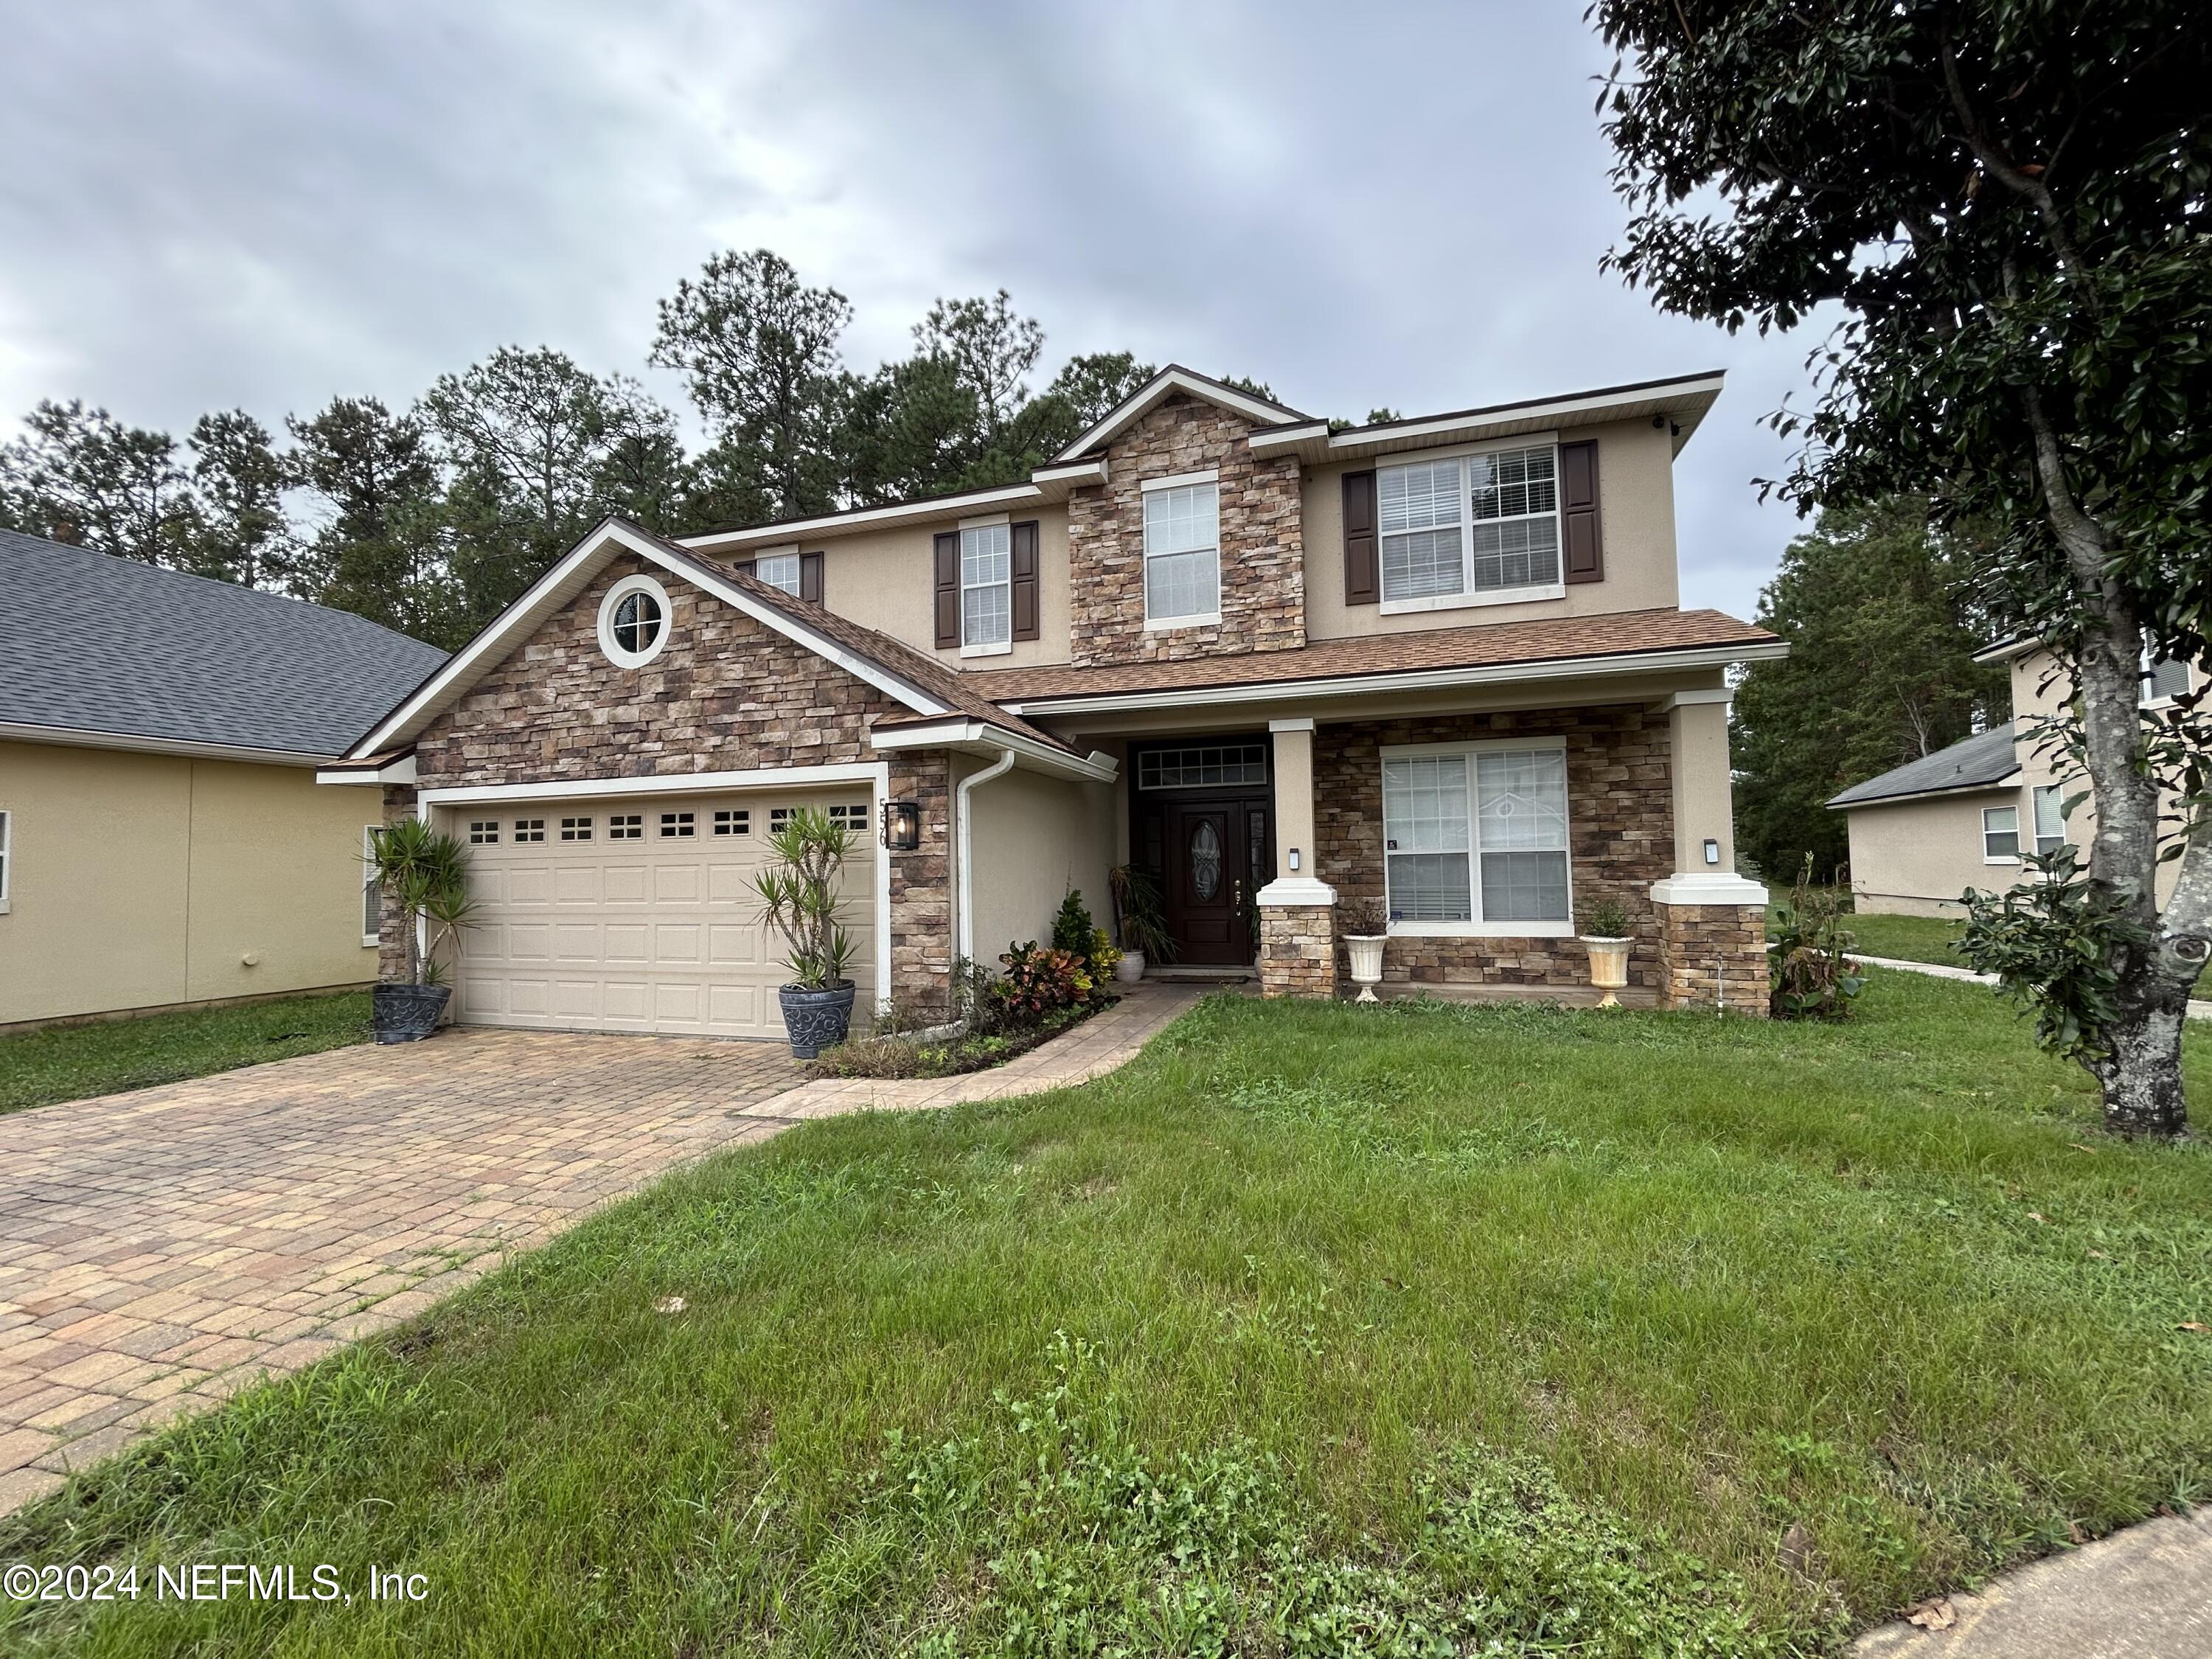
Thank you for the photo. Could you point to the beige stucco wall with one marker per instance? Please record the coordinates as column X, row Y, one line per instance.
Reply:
column 138, row 881
column 887, row 580
column 1036, row 837
column 1636, row 521
column 1914, row 858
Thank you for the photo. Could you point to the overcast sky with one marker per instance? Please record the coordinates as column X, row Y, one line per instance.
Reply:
column 261, row 203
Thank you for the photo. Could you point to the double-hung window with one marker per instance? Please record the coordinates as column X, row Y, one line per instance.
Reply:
column 1182, row 551
column 1475, row 839
column 372, row 889
column 987, row 594
column 2000, row 835
column 1470, row 529
column 778, row 570
column 2163, row 677
column 2049, row 817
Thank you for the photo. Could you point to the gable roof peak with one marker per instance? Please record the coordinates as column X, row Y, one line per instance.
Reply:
column 1175, row 378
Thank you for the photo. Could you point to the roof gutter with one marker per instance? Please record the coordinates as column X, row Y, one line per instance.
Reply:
column 1352, row 685
column 80, row 737
column 974, row 737
column 1838, row 803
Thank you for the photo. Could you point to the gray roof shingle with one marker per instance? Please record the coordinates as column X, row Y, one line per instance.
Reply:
column 1980, row 762
column 94, row 643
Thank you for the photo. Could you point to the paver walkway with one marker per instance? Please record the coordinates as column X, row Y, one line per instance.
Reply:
column 162, row 1249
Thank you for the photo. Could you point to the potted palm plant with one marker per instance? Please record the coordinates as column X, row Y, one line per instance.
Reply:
column 798, row 900
column 1605, row 934
column 1137, row 916
column 425, row 874
column 1367, row 930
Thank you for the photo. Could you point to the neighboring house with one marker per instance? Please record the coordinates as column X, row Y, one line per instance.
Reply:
column 162, row 838
column 1966, row 816
column 1439, row 661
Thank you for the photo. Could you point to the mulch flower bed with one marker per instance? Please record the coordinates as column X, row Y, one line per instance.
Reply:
column 906, row 1054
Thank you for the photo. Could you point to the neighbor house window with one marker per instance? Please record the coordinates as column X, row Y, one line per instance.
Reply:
column 779, row 570
column 626, row 826
column 1182, row 554
column 2000, row 835
column 1486, row 524
column 987, row 601
column 2049, row 818
column 372, row 889
column 1477, row 836
column 2163, row 677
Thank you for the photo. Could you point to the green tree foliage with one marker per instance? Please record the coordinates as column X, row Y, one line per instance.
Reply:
column 79, row 476
column 379, row 548
column 2008, row 202
column 1876, row 605
column 241, row 533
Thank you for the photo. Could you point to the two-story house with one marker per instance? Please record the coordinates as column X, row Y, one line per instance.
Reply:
column 1438, row 662
column 1970, row 814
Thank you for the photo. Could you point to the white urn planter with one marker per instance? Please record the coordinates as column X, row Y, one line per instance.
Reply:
column 1131, row 969
column 1608, row 960
column 1366, row 963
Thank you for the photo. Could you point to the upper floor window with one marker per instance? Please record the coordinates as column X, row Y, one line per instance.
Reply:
column 779, row 570
column 987, row 607
column 1183, row 552
column 2049, row 818
column 1486, row 524
column 2163, row 677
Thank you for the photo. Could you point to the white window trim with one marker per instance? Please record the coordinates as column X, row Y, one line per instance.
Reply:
column 6, row 856
column 621, row 591
column 986, row 521
column 996, row 648
column 1989, row 857
column 2144, row 698
column 1469, row 597
column 986, row 647
column 1176, row 480
column 1168, row 624
column 798, row 567
column 2035, row 823
column 368, row 936
column 1477, row 928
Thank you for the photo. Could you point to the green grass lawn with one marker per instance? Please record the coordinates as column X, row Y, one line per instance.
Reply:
column 1902, row 938
column 68, row 1062
column 1315, row 1330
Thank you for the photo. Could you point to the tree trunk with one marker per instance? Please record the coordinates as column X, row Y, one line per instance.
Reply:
column 2142, row 1077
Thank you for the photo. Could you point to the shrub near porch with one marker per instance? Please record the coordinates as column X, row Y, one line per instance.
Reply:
column 1453, row 1321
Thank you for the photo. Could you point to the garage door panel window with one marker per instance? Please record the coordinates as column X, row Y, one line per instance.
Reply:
column 1477, row 838
column 732, row 822
column 626, row 826
column 678, row 825
column 484, row 832
column 529, row 829
column 576, row 829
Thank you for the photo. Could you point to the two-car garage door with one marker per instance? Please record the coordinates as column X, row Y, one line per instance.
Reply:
column 638, row 914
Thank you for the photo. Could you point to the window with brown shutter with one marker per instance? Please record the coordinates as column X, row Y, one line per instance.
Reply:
column 810, row 577
column 747, row 567
column 1362, row 572
column 948, row 590
column 1578, row 525
column 1024, row 563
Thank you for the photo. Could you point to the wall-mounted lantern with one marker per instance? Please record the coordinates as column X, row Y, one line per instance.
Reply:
column 1712, row 851
column 901, row 825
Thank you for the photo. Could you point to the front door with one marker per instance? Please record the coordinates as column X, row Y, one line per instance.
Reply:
column 1214, row 848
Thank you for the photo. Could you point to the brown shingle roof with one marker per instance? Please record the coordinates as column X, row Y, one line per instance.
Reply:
column 1624, row 632
column 924, row 673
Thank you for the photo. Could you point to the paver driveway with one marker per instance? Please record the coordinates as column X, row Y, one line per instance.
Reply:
column 160, row 1249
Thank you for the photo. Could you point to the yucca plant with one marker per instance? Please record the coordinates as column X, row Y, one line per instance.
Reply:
column 799, row 897
column 428, row 872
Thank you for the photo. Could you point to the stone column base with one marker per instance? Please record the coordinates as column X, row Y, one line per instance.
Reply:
column 1297, row 938
column 1712, row 954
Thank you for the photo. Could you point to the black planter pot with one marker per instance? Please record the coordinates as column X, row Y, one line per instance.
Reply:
column 816, row 1019
column 407, row 1013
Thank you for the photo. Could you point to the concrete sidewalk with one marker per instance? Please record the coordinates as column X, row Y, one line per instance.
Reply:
column 2198, row 1008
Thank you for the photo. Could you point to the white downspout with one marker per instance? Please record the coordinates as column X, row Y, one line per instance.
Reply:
column 966, row 928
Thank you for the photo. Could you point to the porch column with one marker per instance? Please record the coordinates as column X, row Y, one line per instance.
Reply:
column 1298, row 917
column 1712, row 922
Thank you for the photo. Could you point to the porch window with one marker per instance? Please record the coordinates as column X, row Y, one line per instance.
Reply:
column 1475, row 838
column 1485, row 525
column 1182, row 554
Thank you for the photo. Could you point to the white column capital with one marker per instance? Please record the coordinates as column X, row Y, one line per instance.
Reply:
column 1296, row 890
column 1707, row 887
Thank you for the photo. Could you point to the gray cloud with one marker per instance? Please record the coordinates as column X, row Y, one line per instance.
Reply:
column 263, row 205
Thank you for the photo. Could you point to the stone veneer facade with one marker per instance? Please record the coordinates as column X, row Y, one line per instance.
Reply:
column 1297, row 951
column 1620, row 833
column 1262, row 542
column 728, row 694
column 1714, row 955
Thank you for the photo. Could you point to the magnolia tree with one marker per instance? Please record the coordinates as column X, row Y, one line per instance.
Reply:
column 2007, row 202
